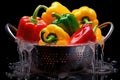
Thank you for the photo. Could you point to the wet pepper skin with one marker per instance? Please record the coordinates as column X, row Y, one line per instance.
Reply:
column 83, row 35
column 30, row 26
column 53, row 34
column 29, row 31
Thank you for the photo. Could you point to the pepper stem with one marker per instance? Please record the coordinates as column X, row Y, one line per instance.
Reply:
column 56, row 15
column 51, row 38
column 33, row 18
column 86, row 20
column 95, row 27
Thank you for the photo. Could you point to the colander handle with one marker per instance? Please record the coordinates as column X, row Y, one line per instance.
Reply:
column 110, row 24
column 9, row 27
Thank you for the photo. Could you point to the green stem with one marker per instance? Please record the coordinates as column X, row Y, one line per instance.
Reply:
column 33, row 18
column 86, row 20
column 56, row 15
column 50, row 38
column 95, row 27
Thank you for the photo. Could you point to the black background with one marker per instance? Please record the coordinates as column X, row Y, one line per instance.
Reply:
column 12, row 10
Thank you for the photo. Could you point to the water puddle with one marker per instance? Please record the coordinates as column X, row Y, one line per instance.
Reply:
column 87, row 63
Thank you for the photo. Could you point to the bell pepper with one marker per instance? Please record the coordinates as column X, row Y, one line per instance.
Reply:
column 98, row 33
column 30, row 26
column 86, row 14
column 99, row 36
column 83, row 35
column 55, row 7
column 53, row 34
column 67, row 21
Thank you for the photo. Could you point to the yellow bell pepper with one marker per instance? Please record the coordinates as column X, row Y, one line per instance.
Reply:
column 99, row 36
column 55, row 7
column 53, row 34
column 86, row 14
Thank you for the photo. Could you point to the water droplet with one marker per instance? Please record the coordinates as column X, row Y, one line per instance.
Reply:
column 114, row 62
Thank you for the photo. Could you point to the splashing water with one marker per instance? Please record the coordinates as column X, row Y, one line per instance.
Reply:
column 100, row 66
column 29, row 65
column 21, row 69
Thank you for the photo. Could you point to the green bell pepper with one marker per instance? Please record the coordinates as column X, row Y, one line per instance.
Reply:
column 67, row 21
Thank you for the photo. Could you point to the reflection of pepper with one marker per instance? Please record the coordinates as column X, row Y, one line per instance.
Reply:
column 55, row 7
column 53, row 34
column 67, row 21
column 85, row 14
column 29, row 27
column 83, row 35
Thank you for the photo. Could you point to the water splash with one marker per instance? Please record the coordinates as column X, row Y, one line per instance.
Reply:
column 101, row 66
column 22, row 70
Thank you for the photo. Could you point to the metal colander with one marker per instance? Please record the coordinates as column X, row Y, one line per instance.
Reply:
column 62, row 58
column 54, row 60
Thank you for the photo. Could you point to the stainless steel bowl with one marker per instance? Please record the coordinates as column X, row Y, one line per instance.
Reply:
column 55, row 60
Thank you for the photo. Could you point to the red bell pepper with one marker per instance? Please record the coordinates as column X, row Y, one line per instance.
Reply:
column 30, row 26
column 83, row 35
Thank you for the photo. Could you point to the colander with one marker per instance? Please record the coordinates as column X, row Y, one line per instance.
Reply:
column 54, row 60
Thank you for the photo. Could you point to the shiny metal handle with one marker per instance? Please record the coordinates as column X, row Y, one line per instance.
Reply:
column 110, row 30
column 8, row 28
